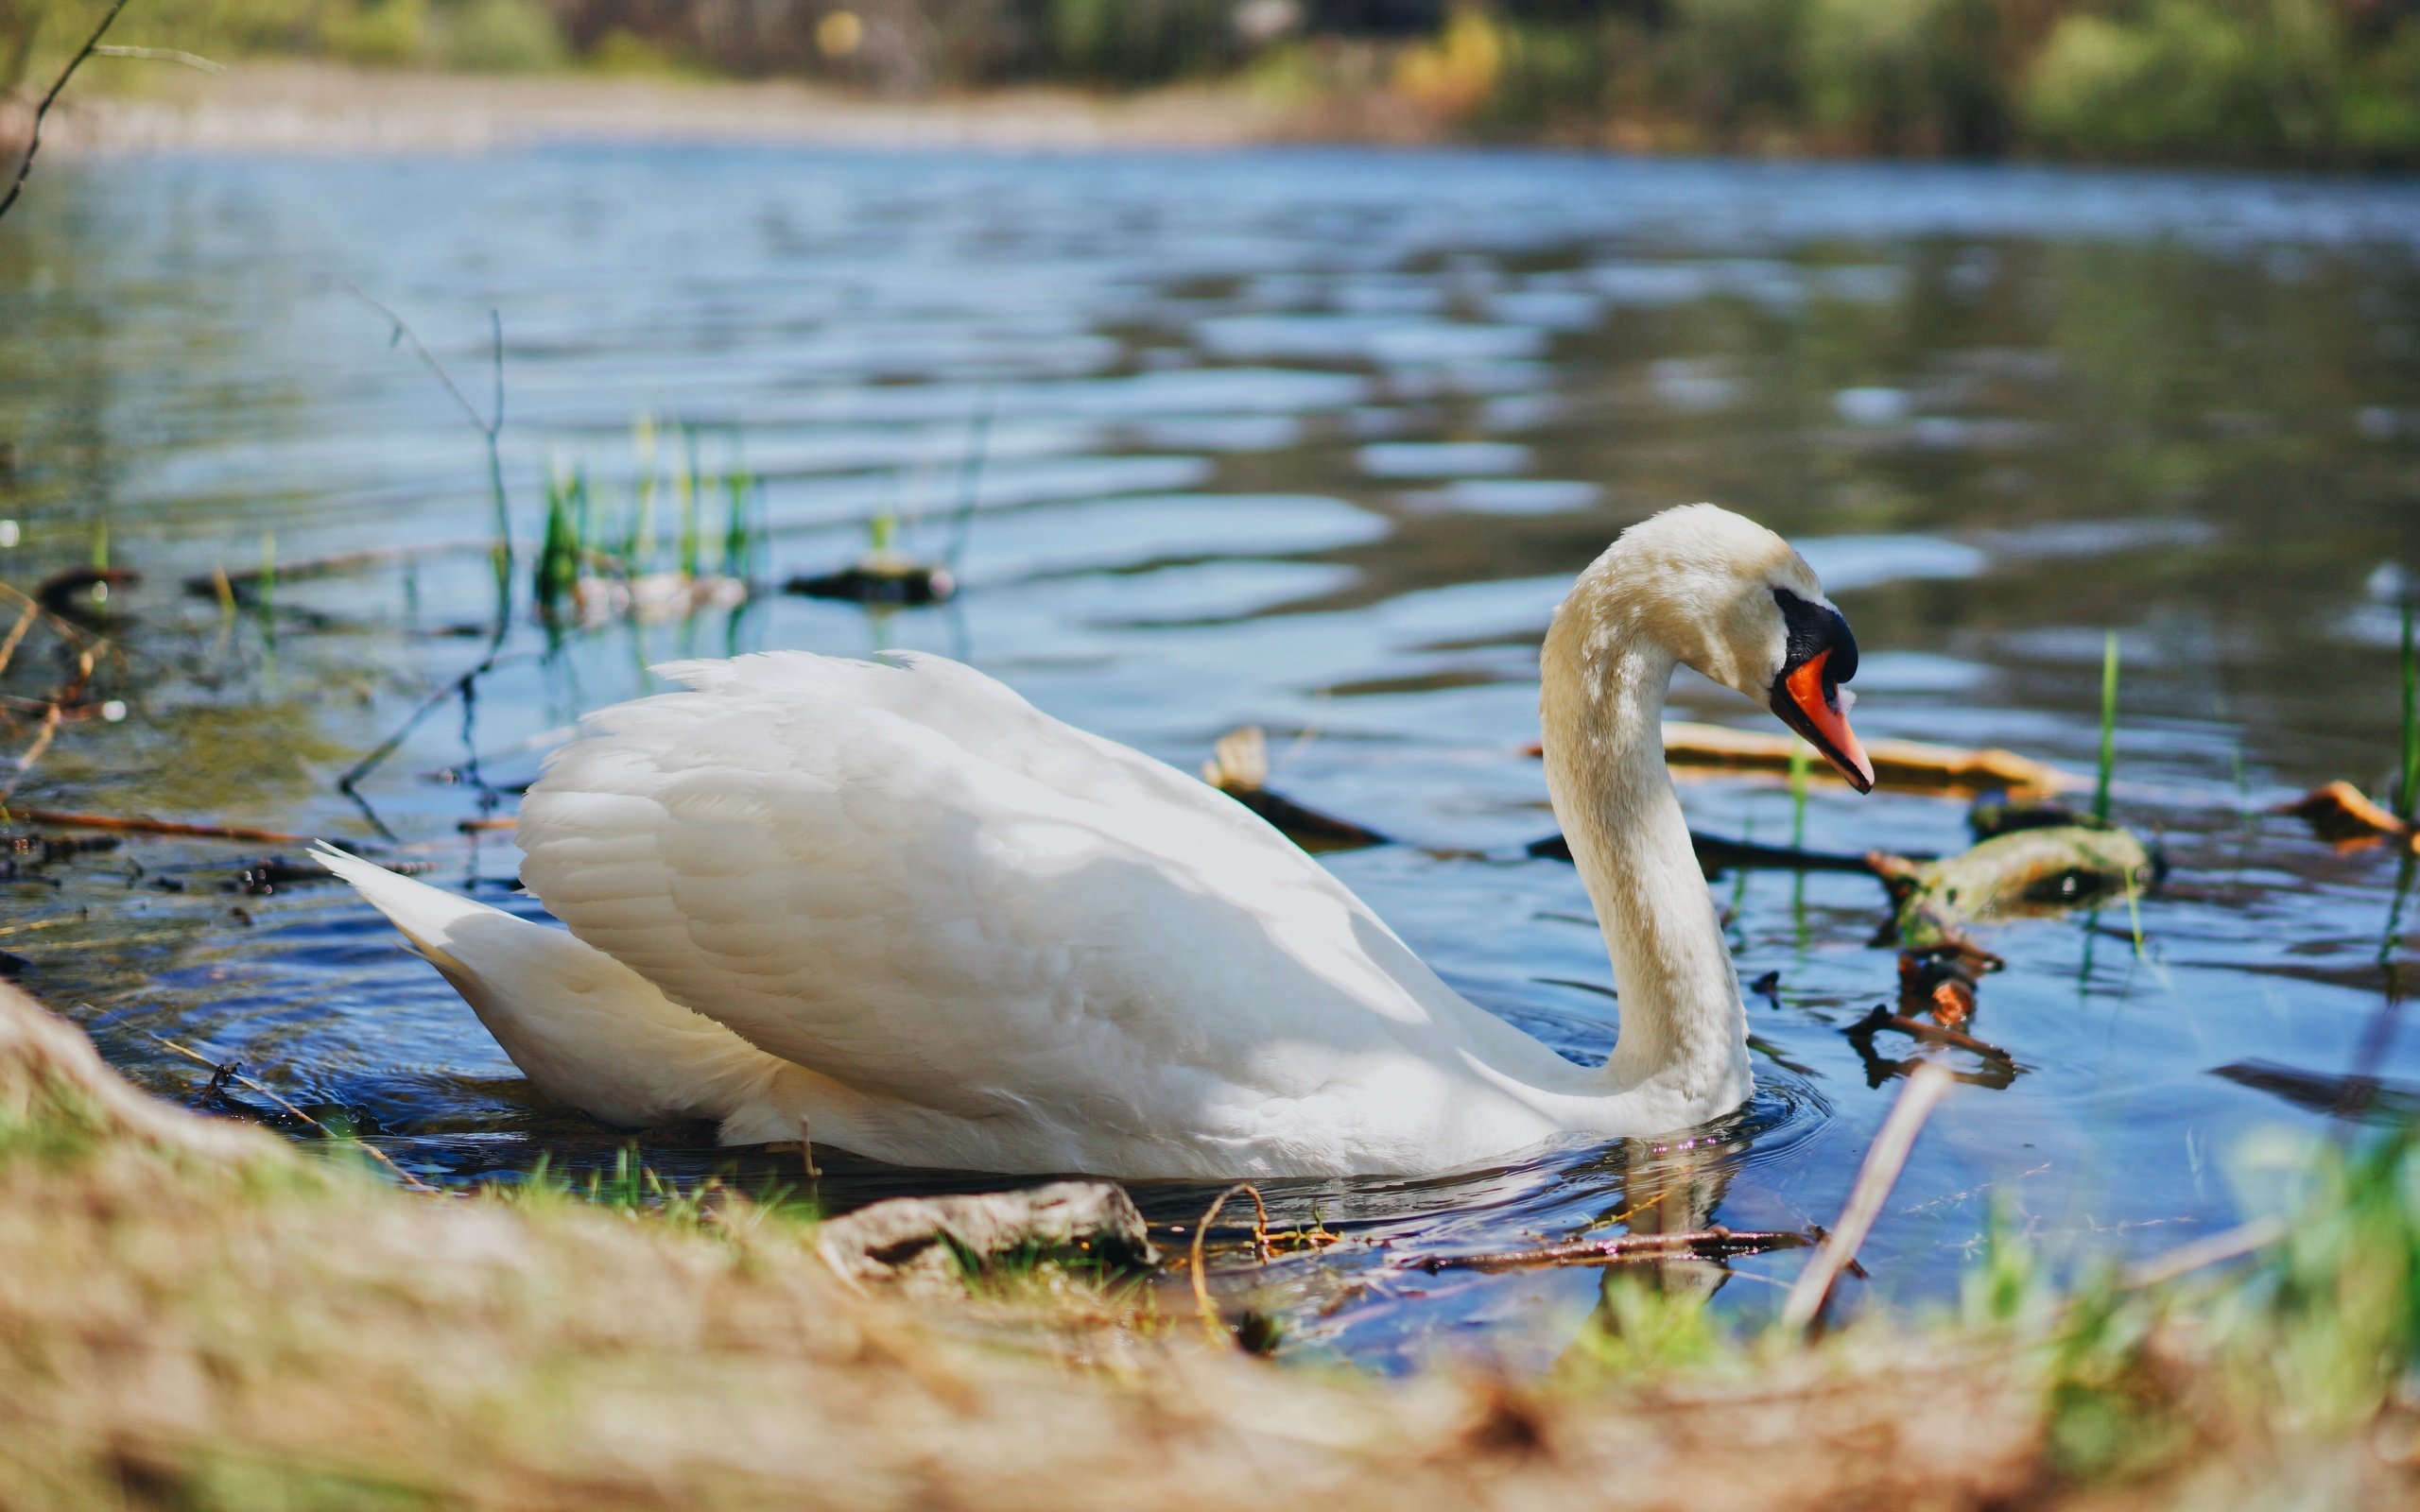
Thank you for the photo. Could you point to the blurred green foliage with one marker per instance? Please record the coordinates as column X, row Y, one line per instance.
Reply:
column 2321, row 83
column 471, row 35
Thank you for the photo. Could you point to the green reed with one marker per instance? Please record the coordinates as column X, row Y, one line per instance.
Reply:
column 2108, row 728
column 740, row 486
column 689, row 485
column 638, row 548
column 562, row 549
column 265, row 593
column 1800, row 766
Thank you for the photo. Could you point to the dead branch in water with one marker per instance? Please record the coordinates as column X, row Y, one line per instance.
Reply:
column 1882, row 1018
column 1875, row 1180
column 32, row 753
column 17, row 633
column 220, row 583
column 1904, row 763
column 221, row 1074
column 33, row 133
column 1715, row 1243
column 71, row 820
column 1202, row 1231
column 2231, row 1243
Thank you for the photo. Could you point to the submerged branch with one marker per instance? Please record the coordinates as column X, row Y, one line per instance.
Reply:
column 1875, row 1178
column 221, row 1074
column 1201, row 1230
column 71, row 820
column 1713, row 1242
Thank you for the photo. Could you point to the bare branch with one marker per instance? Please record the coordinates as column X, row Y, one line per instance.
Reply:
column 163, row 54
column 33, row 135
column 1925, row 1092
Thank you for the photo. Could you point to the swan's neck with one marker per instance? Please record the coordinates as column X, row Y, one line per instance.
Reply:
column 1684, row 1030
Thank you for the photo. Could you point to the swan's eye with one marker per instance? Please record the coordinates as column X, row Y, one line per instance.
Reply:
column 1813, row 629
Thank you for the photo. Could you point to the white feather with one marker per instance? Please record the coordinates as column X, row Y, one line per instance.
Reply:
column 896, row 901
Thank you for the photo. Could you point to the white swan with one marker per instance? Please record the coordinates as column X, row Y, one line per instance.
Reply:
column 893, row 904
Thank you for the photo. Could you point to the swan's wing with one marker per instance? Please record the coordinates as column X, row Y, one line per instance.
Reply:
column 903, row 875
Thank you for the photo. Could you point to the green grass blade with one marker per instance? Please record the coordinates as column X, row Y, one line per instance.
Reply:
column 2108, row 727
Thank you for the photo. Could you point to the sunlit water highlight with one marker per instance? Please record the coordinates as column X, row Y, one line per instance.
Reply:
column 1311, row 441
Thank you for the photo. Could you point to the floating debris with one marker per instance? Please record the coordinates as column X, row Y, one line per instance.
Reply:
column 82, row 593
column 1717, row 854
column 2023, row 871
column 2368, row 1098
column 2340, row 814
column 1881, row 1018
column 931, row 1244
column 1902, row 764
column 880, row 577
column 72, row 819
column 1942, row 983
column 2001, row 813
column 1715, row 1243
column 1238, row 767
column 654, row 598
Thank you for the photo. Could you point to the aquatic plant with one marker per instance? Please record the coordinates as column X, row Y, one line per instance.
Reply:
column 561, row 549
column 687, row 486
column 2108, row 729
column 1801, row 766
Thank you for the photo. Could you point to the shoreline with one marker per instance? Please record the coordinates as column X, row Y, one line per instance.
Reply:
column 318, row 109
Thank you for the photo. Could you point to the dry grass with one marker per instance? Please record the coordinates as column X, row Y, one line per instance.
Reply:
column 193, row 1314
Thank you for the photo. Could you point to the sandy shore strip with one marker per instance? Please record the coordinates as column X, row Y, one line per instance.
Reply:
column 314, row 108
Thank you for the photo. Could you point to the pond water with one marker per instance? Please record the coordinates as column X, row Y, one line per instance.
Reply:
column 1307, row 440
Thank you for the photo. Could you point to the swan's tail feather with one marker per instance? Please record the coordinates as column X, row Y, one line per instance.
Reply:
column 421, row 914
column 585, row 1029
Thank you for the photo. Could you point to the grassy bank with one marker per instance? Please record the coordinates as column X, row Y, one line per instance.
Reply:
column 2312, row 83
column 196, row 1315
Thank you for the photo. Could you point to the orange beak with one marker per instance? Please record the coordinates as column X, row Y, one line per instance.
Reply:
column 1808, row 701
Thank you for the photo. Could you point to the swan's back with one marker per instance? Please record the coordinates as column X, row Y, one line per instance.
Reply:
column 904, row 876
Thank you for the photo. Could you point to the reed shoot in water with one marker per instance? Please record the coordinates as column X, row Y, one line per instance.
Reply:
column 2408, row 795
column 264, row 589
column 560, row 551
column 1800, row 753
column 689, row 485
column 638, row 549
column 739, row 486
column 2108, row 728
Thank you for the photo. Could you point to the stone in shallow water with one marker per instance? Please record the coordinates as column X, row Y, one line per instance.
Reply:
column 928, row 1244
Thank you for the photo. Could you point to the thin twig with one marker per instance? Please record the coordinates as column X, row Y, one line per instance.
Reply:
column 71, row 820
column 459, row 687
column 65, row 626
column 33, row 133
column 364, row 1146
column 17, row 633
column 1202, row 1231
column 490, row 427
column 219, row 582
column 2225, row 1246
column 1875, row 1178
column 403, row 334
column 42, row 740
column 1882, row 1018
column 163, row 54
column 1711, row 1244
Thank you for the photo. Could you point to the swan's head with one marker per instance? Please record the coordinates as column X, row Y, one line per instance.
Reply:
column 1729, row 598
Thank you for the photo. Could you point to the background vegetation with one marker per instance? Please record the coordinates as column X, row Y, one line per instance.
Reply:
column 2326, row 83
